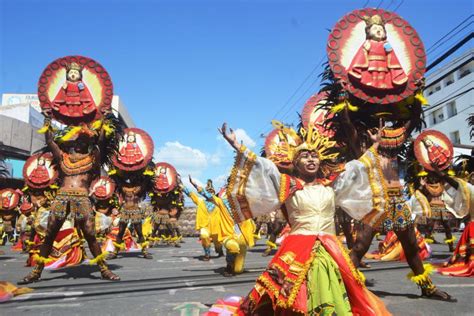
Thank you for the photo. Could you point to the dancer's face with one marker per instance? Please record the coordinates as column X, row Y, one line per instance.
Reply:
column 307, row 163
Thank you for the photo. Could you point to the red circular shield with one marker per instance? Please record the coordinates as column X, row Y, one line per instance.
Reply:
column 377, row 71
column 102, row 188
column 9, row 199
column 75, row 89
column 135, row 150
column 40, row 171
column 166, row 177
column 433, row 147
column 313, row 114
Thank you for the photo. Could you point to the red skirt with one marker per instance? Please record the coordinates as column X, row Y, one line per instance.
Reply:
column 461, row 263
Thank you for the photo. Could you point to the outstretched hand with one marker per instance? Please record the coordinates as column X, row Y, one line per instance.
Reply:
column 230, row 137
column 192, row 182
column 376, row 135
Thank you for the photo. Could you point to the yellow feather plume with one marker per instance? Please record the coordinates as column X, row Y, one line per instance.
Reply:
column 148, row 173
column 112, row 172
column 43, row 129
column 71, row 133
column 421, row 98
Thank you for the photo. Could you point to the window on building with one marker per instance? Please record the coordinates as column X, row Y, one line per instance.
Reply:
column 465, row 70
column 438, row 116
column 437, row 88
column 449, row 80
column 452, row 110
column 455, row 137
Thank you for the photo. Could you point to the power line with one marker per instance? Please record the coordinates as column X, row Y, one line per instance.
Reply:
column 365, row 4
column 398, row 6
column 447, row 39
column 380, row 3
column 452, row 30
column 450, row 51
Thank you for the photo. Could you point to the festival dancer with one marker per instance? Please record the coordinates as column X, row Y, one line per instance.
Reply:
column 311, row 272
column 461, row 263
column 236, row 238
column 132, row 188
column 203, row 220
column 275, row 226
column 79, row 160
column 432, row 188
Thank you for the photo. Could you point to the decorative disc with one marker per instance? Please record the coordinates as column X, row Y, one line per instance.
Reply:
column 433, row 147
column 135, row 150
column 40, row 171
column 75, row 89
column 377, row 55
column 9, row 199
column 102, row 188
column 166, row 177
column 277, row 145
column 312, row 113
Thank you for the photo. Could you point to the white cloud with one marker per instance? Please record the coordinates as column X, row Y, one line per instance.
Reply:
column 185, row 159
column 242, row 136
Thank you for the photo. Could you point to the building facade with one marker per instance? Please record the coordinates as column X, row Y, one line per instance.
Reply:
column 449, row 91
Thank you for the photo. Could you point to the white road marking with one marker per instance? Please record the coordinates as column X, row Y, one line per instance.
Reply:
column 49, row 306
column 454, row 285
column 47, row 294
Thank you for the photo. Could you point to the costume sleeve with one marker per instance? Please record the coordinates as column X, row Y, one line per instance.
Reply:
column 419, row 204
column 460, row 200
column 254, row 186
column 353, row 190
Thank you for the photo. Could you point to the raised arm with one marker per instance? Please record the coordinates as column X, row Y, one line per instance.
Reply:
column 230, row 137
column 50, row 139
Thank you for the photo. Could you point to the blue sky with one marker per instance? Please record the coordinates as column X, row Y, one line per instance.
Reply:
column 183, row 67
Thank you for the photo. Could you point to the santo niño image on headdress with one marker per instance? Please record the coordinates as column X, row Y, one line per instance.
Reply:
column 40, row 171
column 433, row 147
column 135, row 150
column 102, row 188
column 9, row 199
column 166, row 177
column 377, row 55
column 75, row 89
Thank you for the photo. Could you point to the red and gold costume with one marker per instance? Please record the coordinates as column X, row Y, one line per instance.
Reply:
column 130, row 154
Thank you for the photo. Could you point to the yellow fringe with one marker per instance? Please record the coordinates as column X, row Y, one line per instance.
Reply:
column 421, row 98
column 421, row 278
column 29, row 243
column 71, row 133
column 120, row 246
column 53, row 186
column 112, row 172
column 99, row 259
column 429, row 240
column 271, row 244
column 450, row 240
column 42, row 260
column 361, row 276
column 25, row 188
column 451, row 173
column 144, row 244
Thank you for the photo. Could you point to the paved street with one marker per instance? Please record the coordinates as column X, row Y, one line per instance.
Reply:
column 175, row 280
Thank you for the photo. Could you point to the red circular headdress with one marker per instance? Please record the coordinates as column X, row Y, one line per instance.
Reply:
column 313, row 114
column 135, row 150
column 379, row 71
column 102, row 188
column 83, row 97
column 9, row 199
column 40, row 171
column 166, row 177
column 433, row 147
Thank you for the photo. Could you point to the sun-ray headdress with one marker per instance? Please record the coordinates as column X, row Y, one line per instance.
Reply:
column 284, row 150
